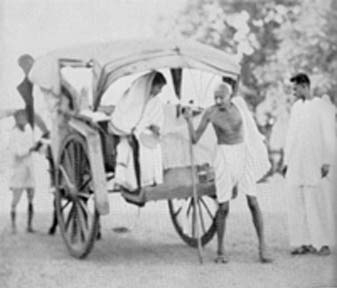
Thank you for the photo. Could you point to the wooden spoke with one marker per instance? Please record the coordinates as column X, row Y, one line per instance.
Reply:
column 70, row 165
column 83, row 223
column 66, row 177
column 207, row 209
column 84, row 208
column 193, row 222
column 79, row 167
column 178, row 211
column 65, row 205
column 189, row 207
column 85, row 184
column 74, row 231
column 69, row 218
column 83, row 195
column 71, row 152
column 202, row 222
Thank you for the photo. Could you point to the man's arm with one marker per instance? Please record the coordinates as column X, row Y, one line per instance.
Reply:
column 328, row 140
column 290, row 136
column 196, row 134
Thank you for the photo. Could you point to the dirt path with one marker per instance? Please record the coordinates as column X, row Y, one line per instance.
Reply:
column 152, row 255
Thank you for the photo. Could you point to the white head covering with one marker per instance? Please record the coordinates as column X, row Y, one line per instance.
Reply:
column 130, row 107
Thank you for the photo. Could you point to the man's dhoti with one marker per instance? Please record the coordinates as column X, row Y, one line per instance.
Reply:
column 230, row 166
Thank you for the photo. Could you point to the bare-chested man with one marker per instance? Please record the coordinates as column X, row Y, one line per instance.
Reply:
column 236, row 162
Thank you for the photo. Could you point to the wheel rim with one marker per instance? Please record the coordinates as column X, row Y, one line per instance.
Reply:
column 183, row 215
column 75, row 205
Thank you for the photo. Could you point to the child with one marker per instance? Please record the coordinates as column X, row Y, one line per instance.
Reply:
column 21, row 146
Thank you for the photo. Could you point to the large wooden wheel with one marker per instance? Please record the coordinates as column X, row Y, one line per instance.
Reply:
column 183, row 215
column 75, row 205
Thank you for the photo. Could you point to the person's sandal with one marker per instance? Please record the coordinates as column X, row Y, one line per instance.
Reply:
column 310, row 249
column 299, row 251
column 324, row 251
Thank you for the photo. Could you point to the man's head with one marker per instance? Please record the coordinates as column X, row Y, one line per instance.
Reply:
column 26, row 62
column 20, row 117
column 301, row 85
column 158, row 83
column 222, row 94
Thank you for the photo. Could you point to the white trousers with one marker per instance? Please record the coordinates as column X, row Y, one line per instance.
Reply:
column 309, row 216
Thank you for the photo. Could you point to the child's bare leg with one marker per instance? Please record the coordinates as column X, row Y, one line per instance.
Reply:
column 30, row 196
column 53, row 226
column 17, row 192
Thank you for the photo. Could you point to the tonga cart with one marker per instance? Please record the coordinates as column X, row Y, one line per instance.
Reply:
column 85, row 152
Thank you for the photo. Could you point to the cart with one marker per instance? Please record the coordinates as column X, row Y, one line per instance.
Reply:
column 84, row 151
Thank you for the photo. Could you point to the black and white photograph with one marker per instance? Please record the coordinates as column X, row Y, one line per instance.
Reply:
column 168, row 143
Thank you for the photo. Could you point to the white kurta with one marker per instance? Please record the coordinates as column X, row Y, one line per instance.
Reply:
column 309, row 145
column 22, row 174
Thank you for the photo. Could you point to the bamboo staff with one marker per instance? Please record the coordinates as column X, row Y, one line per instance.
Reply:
column 195, row 198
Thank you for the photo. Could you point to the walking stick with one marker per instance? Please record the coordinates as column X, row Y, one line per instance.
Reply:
column 195, row 198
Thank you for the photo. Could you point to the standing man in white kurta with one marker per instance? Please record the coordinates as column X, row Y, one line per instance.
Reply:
column 308, row 163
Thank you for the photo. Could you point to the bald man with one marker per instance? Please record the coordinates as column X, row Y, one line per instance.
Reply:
column 240, row 160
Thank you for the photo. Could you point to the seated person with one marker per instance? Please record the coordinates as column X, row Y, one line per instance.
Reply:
column 138, row 118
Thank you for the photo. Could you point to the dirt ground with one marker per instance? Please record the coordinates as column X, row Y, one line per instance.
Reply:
column 151, row 254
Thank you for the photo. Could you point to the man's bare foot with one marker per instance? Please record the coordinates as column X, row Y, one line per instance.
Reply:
column 264, row 257
column 221, row 258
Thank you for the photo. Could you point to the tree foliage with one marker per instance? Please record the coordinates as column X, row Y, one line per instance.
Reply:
column 245, row 28
column 274, row 40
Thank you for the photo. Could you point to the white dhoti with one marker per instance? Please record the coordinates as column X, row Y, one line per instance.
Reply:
column 230, row 166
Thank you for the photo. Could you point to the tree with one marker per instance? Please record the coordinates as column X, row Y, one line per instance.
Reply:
column 307, row 42
column 245, row 28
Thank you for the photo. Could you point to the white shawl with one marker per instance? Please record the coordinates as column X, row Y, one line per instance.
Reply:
column 257, row 152
column 130, row 108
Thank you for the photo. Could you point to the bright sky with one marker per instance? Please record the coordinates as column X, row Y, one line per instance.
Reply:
column 38, row 26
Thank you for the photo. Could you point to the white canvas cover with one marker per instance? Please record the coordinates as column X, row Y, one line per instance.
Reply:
column 119, row 58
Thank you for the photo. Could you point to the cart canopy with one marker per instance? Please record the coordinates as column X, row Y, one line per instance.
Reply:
column 112, row 60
